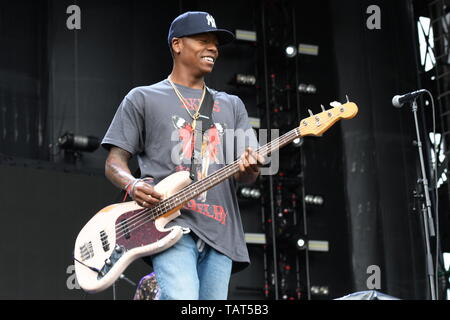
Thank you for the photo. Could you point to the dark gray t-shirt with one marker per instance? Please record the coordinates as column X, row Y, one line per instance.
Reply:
column 152, row 123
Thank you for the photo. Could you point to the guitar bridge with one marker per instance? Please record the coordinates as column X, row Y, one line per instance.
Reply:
column 86, row 251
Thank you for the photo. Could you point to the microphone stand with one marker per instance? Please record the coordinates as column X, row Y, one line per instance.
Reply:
column 426, row 209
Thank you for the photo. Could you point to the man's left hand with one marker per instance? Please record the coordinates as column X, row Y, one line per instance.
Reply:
column 249, row 166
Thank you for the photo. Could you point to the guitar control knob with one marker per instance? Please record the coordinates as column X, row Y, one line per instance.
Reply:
column 118, row 249
column 108, row 262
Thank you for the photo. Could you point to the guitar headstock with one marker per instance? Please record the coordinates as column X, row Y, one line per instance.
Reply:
column 317, row 124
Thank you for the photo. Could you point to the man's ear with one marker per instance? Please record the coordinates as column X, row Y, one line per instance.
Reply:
column 177, row 45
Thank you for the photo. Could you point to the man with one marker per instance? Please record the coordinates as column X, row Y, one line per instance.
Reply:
column 156, row 123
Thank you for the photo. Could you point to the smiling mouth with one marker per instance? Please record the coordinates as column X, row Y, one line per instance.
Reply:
column 208, row 59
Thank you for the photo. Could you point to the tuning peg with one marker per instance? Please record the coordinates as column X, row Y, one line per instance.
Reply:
column 311, row 113
column 323, row 109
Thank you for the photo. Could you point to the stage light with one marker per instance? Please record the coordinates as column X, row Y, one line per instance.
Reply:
column 320, row 290
column 308, row 49
column 255, row 194
column 291, row 51
column 297, row 142
column 245, row 192
column 318, row 245
column 254, row 122
column 255, row 238
column 311, row 89
column 245, row 35
column 71, row 142
column 315, row 200
column 324, row 291
column 307, row 88
column 293, row 238
column 315, row 290
column 302, row 87
column 245, row 79
column 252, row 193
column 301, row 244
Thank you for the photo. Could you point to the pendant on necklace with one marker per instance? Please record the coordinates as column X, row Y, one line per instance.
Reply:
column 194, row 121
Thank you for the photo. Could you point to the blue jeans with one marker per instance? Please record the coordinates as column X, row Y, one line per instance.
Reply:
column 185, row 272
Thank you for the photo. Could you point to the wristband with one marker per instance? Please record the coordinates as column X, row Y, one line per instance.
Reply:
column 133, row 185
column 129, row 188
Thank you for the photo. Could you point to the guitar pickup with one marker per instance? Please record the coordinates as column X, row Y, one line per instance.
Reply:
column 104, row 239
column 124, row 227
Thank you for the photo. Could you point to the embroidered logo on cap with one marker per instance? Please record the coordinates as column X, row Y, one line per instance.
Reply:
column 211, row 21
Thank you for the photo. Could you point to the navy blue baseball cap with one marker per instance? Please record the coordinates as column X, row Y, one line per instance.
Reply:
column 196, row 22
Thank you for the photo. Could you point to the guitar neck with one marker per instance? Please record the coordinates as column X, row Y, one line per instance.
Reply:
column 231, row 169
column 198, row 187
column 315, row 125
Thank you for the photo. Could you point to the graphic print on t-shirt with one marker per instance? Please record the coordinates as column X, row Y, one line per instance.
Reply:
column 209, row 151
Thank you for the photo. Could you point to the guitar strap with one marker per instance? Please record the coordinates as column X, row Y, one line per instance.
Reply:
column 204, row 122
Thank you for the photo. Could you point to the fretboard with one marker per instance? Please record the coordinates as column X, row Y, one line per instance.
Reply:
column 193, row 190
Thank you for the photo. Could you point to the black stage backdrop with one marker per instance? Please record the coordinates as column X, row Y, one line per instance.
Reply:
column 55, row 80
column 381, row 161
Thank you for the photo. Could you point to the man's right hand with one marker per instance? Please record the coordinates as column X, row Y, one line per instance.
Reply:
column 145, row 195
column 118, row 172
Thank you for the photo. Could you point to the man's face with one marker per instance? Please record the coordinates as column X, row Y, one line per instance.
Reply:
column 198, row 52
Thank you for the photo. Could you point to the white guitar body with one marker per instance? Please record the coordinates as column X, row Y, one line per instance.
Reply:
column 114, row 238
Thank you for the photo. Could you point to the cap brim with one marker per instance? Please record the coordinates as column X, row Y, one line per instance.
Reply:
column 223, row 36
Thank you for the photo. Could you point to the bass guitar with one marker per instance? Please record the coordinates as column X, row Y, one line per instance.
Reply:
column 124, row 232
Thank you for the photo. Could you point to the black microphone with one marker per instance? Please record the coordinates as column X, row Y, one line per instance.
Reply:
column 398, row 101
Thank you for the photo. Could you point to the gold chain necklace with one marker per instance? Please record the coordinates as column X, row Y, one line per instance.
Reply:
column 197, row 112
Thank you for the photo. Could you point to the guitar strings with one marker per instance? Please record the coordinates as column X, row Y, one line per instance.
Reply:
column 146, row 215
column 182, row 194
column 143, row 217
